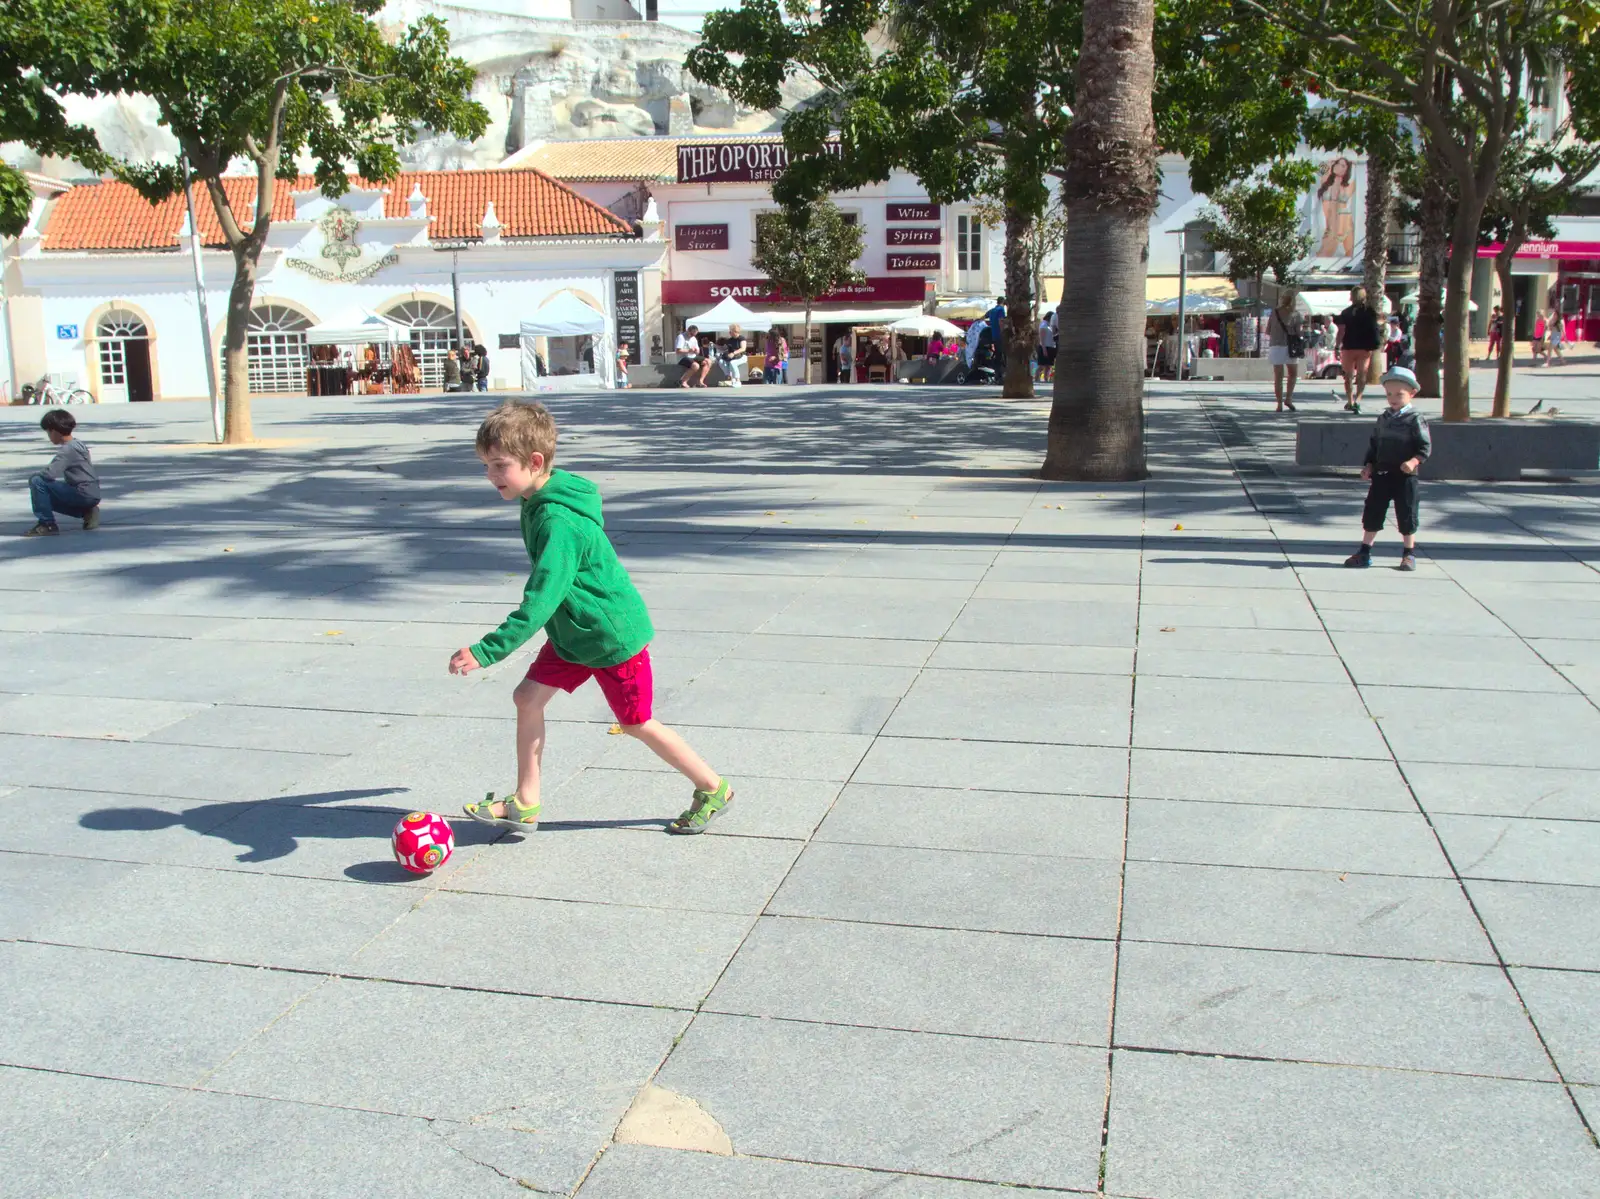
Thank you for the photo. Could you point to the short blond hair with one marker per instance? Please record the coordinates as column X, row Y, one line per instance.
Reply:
column 521, row 430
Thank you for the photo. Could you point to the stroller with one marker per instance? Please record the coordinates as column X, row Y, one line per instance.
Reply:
column 985, row 364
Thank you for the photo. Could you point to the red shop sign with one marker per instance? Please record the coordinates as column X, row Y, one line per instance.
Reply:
column 914, row 262
column 700, row 237
column 913, row 212
column 878, row 290
column 914, row 237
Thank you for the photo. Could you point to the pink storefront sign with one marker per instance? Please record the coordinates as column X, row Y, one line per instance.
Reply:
column 1546, row 249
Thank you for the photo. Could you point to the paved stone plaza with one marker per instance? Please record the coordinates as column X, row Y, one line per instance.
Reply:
column 1088, row 838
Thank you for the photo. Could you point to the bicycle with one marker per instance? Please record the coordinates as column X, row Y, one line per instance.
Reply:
column 47, row 392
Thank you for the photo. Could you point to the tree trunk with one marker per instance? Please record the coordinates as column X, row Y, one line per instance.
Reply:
column 1508, row 340
column 235, row 353
column 1019, row 328
column 1097, row 417
column 1375, row 255
column 1457, row 349
column 1433, row 251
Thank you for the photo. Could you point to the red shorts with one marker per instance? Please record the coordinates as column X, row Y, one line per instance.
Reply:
column 629, row 686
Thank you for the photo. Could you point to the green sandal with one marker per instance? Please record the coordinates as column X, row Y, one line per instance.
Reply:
column 527, row 817
column 707, row 807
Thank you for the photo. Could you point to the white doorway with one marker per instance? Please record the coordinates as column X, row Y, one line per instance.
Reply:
column 124, row 344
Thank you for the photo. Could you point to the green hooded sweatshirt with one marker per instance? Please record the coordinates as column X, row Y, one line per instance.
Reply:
column 578, row 590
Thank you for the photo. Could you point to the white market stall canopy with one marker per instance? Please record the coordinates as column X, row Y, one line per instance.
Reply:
column 731, row 312
column 1194, row 304
column 926, row 326
column 564, row 316
column 357, row 327
column 1322, row 303
column 971, row 306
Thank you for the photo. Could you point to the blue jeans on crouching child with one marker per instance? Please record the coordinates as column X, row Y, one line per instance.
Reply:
column 48, row 495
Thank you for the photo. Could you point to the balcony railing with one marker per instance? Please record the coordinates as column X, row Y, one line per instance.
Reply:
column 1404, row 249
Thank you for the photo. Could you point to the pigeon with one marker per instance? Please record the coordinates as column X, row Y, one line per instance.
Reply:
column 1536, row 408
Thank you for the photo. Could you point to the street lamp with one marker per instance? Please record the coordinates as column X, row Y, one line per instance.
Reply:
column 1183, row 288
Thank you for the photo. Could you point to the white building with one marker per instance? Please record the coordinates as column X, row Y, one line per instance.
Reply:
column 104, row 293
column 709, row 193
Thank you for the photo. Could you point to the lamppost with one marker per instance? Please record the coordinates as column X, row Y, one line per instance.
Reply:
column 1183, row 288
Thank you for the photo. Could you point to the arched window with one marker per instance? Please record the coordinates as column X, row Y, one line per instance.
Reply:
column 433, row 333
column 275, row 342
column 113, row 331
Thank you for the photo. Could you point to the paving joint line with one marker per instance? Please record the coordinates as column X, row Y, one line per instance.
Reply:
column 1461, row 881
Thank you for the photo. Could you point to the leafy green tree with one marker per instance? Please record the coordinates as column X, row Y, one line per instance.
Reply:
column 1538, row 181
column 265, row 81
column 807, row 254
column 30, row 112
column 1458, row 69
column 1257, row 223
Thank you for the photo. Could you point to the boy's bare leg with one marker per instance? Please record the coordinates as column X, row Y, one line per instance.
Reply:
column 531, row 699
column 675, row 752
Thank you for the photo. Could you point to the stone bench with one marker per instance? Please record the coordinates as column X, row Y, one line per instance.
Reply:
column 1233, row 370
column 1476, row 449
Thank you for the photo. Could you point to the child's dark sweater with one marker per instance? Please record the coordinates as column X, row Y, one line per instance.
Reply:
column 1400, row 434
column 73, row 466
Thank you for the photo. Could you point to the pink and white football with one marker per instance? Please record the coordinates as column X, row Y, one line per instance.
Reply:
column 422, row 842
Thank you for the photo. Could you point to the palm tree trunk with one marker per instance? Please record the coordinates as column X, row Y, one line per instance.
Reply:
column 1433, row 252
column 1375, row 256
column 1019, row 328
column 1097, row 417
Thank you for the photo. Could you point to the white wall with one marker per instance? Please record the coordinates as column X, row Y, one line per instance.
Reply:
column 493, row 301
column 737, row 206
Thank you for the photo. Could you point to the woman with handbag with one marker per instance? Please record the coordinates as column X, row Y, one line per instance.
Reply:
column 1286, row 348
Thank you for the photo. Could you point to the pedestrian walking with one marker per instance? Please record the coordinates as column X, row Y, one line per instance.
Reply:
column 1286, row 348
column 1497, row 325
column 480, row 366
column 1047, row 346
column 1538, row 338
column 1356, row 340
column 1555, row 338
column 775, row 358
column 841, row 353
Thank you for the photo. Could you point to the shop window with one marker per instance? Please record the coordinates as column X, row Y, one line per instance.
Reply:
column 1594, row 299
column 433, row 336
column 969, row 243
column 276, row 349
column 1569, row 298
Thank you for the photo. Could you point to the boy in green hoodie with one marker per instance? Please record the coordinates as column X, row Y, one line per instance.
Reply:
column 595, row 622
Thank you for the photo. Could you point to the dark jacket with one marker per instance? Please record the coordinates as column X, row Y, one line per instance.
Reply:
column 1397, row 437
column 1360, row 325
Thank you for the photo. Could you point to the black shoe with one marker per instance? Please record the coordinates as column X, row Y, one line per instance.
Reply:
column 43, row 529
column 1289, row 404
column 1361, row 559
column 1408, row 561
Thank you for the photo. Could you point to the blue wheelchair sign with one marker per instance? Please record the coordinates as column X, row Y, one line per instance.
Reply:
column 67, row 332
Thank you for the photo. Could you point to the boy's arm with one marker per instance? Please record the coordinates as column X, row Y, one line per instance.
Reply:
column 58, row 465
column 1372, row 448
column 1424, row 441
column 548, row 583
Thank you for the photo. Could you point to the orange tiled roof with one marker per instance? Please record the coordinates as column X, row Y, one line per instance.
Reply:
column 527, row 203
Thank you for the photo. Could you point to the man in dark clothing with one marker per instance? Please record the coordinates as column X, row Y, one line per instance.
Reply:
column 1400, row 445
column 69, row 484
column 995, row 318
column 1357, row 339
